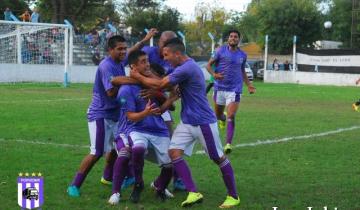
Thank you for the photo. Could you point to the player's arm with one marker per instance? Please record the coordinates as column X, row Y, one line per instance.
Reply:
column 249, row 84
column 141, row 43
column 149, row 82
column 122, row 80
column 150, row 109
column 211, row 70
column 169, row 103
column 112, row 92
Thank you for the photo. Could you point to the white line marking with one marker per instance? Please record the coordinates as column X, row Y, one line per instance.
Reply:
column 44, row 100
column 257, row 143
column 292, row 138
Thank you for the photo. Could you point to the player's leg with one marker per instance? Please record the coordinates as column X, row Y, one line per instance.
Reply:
column 110, row 157
column 210, row 139
column 356, row 106
column 120, row 167
column 209, row 86
column 180, row 140
column 219, row 107
column 232, row 103
column 97, row 139
column 140, row 142
column 160, row 146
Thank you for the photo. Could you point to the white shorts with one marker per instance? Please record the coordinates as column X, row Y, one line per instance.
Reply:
column 157, row 147
column 102, row 132
column 166, row 116
column 226, row 97
column 186, row 135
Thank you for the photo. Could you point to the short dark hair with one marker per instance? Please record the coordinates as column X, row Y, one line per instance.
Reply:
column 157, row 69
column 134, row 56
column 234, row 31
column 111, row 44
column 175, row 44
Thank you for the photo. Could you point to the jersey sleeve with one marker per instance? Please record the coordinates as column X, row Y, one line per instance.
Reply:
column 106, row 77
column 179, row 75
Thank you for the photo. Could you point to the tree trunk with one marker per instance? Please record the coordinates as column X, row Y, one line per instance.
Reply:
column 62, row 11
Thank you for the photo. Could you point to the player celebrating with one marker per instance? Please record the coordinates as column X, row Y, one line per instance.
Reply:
column 229, row 77
column 104, row 111
column 198, row 121
column 356, row 105
column 156, row 57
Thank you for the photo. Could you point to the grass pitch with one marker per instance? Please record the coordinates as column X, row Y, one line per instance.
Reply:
column 41, row 123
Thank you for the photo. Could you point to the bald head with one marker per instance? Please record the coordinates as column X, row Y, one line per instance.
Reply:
column 165, row 36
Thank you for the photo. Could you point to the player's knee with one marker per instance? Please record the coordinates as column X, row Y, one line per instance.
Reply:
column 98, row 155
column 138, row 150
column 218, row 160
column 124, row 152
column 174, row 154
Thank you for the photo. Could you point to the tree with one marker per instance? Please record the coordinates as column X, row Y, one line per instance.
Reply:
column 282, row 19
column 140, row 14
column 208, row 18
column 81, row 12
column 340, row 16
column 16, row 6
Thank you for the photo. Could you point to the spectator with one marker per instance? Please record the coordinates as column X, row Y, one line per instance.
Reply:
column 7, row 14
column 35, row 16
column 46, row 56
column 25, row 17
column 287, row 66
column 276, row 65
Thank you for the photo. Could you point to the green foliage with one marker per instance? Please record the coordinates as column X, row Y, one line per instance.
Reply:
column 340, row 16
column 282, row 19
column 16, row 6
column 142, row 14
column 84, row 13
column 208, row 18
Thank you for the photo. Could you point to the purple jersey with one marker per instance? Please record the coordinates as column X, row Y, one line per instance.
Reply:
column 231, row 64
column 103, row 106
column 124, row 125
column 195, row 108
column 131, row 101
column 153, row 54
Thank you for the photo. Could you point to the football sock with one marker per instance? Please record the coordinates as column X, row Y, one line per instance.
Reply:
column 183, row 171
column 228, row 177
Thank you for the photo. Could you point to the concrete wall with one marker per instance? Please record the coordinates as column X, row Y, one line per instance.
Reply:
column 45, row 73
column 313, row 78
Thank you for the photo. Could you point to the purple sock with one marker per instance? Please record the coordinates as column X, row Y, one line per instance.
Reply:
column 78, row 179
column 108, row 171
column 120, row 169
column 130, row 171
column 138, row 153
column 230, row 130
column 184, row 173
column 228, row 177
column 165, row 177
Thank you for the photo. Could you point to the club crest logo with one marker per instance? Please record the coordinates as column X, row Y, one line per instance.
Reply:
column 30, row 190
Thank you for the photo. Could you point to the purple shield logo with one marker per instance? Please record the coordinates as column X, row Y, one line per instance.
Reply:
column 30, row 190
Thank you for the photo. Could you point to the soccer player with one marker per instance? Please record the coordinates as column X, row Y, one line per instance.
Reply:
column 148, row 129
column 229, row 77
column 198, row 121
column 156, row 57
column 103, row 112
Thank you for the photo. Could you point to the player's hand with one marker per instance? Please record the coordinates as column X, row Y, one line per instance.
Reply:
column 151, row 108
column 152, row 32
column 134, row 74
column 251, row 89
column 218, row 76
column 148, row 93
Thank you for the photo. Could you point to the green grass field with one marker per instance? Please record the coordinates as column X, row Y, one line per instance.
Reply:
column 321, row 170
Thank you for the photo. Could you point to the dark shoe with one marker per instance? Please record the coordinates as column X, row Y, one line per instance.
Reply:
column 135, row 195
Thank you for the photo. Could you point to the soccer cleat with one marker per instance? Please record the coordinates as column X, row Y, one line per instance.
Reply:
column 114, row 199
column 128, row 181
column 230, row 202
column 228, row 148
column 73, row 191
column 192, row 198
column 179, row 185
column 355, row 108
column 105, row 182
column 222, row 124
column 135, row 194
column 167, row 192
column 161, row 195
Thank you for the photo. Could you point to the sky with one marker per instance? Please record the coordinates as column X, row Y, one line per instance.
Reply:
column 186, row 7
